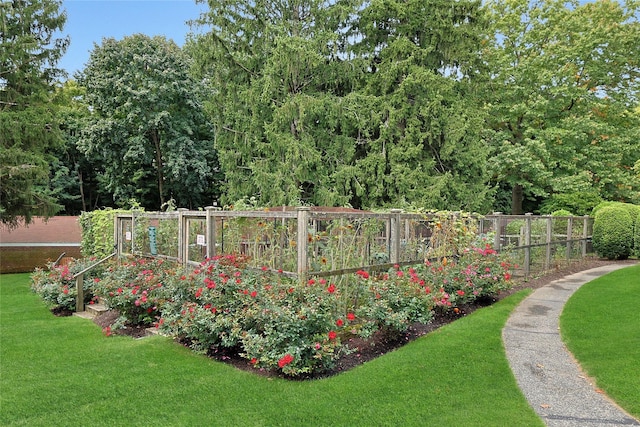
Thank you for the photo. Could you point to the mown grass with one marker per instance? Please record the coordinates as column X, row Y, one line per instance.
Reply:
column 64, row 371
column 600, row 324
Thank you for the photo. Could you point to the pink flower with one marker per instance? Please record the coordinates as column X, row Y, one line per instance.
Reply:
column 198, row 292
column 331, row 288
column 460, row 292
column 254, row 294
column 317, row 346
column 351, row 317
column 339, row 323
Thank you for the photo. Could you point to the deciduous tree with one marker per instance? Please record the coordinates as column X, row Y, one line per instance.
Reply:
column 147, row 126
column 565, row 78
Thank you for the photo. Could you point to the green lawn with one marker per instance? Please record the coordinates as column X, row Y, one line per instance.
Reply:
column 64, row 371
column 601, row 326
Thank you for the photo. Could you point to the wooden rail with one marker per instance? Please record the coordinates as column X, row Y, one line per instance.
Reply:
column 80, row 282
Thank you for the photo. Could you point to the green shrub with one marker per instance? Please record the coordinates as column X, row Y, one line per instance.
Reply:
column 637, row 237
column 633, row 210
column 580, row 203
column 613, row 232
column 602, row 205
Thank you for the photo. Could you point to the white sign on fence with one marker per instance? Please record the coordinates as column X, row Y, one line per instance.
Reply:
column 200, row 241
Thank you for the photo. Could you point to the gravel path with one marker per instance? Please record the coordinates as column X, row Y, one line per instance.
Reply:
column 546, row 372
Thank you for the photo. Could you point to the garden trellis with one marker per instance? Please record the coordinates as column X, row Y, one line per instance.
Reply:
column 335, row 243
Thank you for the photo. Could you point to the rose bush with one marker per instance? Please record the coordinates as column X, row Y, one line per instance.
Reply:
column 274, row 321
column 269, row 319
column 57, row 286
column 134, row 289
column 478, row 272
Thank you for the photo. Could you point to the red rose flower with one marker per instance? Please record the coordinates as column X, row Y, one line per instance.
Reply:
column 332, row 335
column 285, row 360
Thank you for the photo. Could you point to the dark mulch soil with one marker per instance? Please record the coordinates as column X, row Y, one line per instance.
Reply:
column 381, row 342
column 108, row 318
column 61, row 312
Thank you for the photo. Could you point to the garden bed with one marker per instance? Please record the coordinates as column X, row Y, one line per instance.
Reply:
column 381, row 342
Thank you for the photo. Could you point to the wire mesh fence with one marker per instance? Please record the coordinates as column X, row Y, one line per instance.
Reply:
column 307, row 241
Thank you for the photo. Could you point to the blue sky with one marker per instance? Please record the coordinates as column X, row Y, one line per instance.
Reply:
column 89, row 21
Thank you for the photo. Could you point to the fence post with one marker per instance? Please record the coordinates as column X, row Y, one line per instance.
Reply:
column 394, row 256
column 211, row 232
column 303, row 243
column 585, row 235
column 182, row 237
column 80, row 293
column 569, row 237
column 527, row 244
column 133, row 231
column 496, row 228
column 549, row 239
column 117, row 233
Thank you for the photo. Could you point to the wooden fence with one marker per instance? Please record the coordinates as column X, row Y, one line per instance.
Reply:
column 337, row 243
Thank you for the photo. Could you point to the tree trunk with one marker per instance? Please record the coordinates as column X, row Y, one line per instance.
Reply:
column 156, row 143
column 84, row 203
column 516, row 200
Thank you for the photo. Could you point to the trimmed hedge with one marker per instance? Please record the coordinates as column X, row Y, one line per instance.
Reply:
column 637, row 237
column 613, row 232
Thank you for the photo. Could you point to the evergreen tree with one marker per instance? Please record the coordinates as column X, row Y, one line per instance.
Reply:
column 29, row 52
column 286, row 125
column 425, row 145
